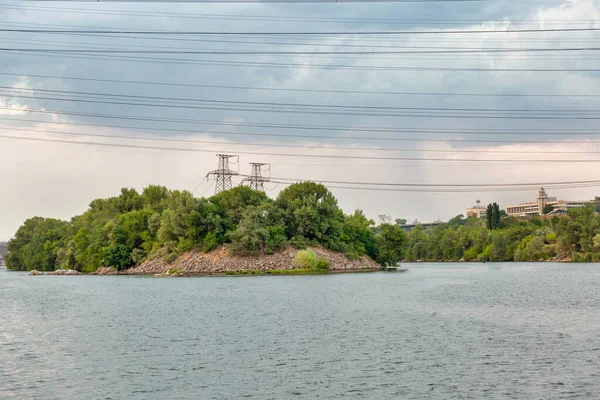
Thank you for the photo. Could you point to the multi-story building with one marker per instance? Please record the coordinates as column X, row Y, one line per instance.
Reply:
column 536, row 207
column 476, row 211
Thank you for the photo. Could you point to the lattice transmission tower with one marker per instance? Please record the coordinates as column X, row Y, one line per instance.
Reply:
column 256, row 181
column 222, row 175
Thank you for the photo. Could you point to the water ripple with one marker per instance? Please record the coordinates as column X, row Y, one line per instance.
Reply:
column 438, row 332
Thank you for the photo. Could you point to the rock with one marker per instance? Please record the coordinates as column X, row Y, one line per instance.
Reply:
column 35, row 272
column 64, row 272
column 72, row 272
column 106, row 271
column 219, row 261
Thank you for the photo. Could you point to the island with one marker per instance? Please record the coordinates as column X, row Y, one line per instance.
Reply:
column 237, row 231
column 302, row 231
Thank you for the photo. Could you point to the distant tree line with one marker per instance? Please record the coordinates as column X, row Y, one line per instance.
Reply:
column 575, row 236
column 126, row 230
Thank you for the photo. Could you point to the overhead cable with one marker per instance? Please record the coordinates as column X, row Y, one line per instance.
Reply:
column 296, row 146
column 296, row 155
column 212, row 86
column 298, row 33
column 346, row 137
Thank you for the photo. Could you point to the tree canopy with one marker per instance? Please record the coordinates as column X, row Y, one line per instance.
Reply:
column 126, row 230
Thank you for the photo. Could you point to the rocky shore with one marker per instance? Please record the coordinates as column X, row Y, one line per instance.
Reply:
column 220, row 262
column 57, row 272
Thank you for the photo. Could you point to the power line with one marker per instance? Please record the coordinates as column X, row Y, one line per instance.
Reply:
column 272, row 52
column 383, row 149
column 278, row 17
column 369, row 138
column 306, row 41
column 546, row 54
column 123, row 145
column 181, row 84
column 411, row 190
column 298, row 33
column 534, row 184
column 507, row 29
column 542, row 56
column 265, row 64
column 301, row 1
column 465, row 131
column 164, row 14
column 416, row 113
column 267, row 104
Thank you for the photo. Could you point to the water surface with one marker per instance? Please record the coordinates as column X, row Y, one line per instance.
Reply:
column 439, row 331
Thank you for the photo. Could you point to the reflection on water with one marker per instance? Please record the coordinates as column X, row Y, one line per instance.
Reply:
column 438, row 331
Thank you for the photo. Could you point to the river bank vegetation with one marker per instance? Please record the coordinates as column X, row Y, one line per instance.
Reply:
column 574, row 237
column 124, row 231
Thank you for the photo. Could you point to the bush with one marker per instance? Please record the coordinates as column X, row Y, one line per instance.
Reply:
column 551, row 237
column 323, row 264
column 308, row 260
column 305, row 259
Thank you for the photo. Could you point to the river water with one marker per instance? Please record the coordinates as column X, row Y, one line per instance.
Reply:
column 438, row 331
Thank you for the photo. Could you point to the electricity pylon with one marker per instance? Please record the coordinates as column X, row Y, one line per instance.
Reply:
column 256, row 181
column 222, row 174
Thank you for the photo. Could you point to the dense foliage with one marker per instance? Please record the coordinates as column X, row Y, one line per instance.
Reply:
column 575, row 236
column 124, row 231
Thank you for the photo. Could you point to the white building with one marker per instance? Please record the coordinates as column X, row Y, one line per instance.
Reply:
column 476, row 211
column 537, row 207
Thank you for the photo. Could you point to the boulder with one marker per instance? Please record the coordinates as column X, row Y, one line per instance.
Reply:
column 64, row 272
column 106, row 271
column 72, row 272
column 35, row 272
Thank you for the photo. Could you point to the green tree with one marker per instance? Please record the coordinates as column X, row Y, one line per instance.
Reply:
column 36, row 244
column 496, row 216
column 260, row 231
column 154, row 197
column 311, row 214
column 357, row 236
column 232, row 203
column 489, row 217
column 548, row 208
column 390, row 244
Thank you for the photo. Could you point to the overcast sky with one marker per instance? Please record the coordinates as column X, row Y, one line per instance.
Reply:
column 60, row 179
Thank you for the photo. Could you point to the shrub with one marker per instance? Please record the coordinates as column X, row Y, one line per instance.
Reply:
column 323, row 264
column 551, row 237
column 305, row 259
